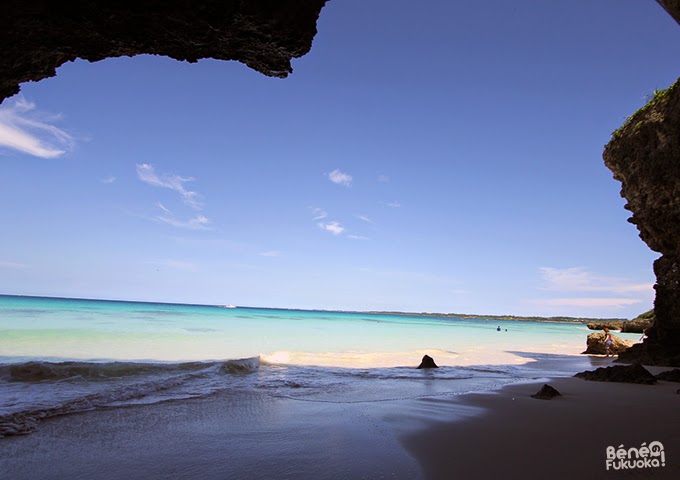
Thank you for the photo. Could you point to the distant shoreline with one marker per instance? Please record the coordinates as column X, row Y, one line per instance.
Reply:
column 504, row 318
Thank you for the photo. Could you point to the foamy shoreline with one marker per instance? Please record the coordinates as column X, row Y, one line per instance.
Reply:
column 256, row 435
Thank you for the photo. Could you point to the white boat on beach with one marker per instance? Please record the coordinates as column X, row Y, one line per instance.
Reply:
column 228, row 306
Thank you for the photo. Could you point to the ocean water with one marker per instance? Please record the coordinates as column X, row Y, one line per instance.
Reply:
column 59, row 356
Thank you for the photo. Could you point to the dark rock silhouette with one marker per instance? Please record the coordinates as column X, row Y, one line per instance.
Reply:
column 37, row 37
column 644, row 155
column 620, row 373
column 546, row 393
column 669, row 375
column 427, row 362
column 672, row 7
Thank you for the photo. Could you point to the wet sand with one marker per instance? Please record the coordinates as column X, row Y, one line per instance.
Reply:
column 517, row 436
column 236, row 435
column 221, row 437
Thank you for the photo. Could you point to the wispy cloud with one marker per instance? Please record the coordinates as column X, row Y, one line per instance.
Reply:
column 383, row 179
column 14, row 265
column 334, row 227
column 340, row 178
column 197, row 222
column 318, row 214
column 108, row 180
column 579, row 287
column 587, row 302
column 147, row 174
column 365, row 219
column 393, row 204
column 270, row 253
column 162, row 207
column 579, row 279
column 26, row 130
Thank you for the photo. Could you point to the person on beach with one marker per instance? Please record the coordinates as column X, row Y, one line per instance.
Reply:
column 644, row 335
column 608, row 340
column 499, row 328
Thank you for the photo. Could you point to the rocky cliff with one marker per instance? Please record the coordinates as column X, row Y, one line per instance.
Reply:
column 37, row 36
column 644, row 155
column 672, row 7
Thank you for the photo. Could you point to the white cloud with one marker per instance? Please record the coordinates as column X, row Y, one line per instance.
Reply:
column 108, row 180
column 357, row 237
column 15, row 265
column 365, row 219
column 162, row 207
column 579, row 279
column 270, row 253
column 393, row 204
column 24, row 129
column 198, row 222
column 147, row 174
column 576, row 284
column 341, row 178
column 383, row 178
column 318, row 214
column 587, row 302
column 334, row 227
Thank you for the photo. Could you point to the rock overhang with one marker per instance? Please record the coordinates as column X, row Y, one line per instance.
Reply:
column 37, row 37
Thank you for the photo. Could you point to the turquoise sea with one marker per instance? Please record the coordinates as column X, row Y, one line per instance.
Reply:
column 59, row 356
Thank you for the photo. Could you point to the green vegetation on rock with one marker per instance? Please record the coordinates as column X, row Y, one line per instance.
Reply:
column 654, row 99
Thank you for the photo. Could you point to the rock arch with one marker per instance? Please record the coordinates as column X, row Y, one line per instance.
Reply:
column 39, row 36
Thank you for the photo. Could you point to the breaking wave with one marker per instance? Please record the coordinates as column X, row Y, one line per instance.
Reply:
column 50, row 389
column 42, row 371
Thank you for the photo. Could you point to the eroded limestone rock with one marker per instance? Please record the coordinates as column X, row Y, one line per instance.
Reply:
column 37, row 37
column 644, row 155
column 595, row 344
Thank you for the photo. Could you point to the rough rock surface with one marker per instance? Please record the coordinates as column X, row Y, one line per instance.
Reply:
column 644, row 155
column 37, row 36
column 669, row 375
column 595, row 344
column 610, row 324
column 546, row 393
column 427, row 362
column 635, row 373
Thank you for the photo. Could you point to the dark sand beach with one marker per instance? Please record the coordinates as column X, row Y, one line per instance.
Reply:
column 521, row 437
column 500, row 434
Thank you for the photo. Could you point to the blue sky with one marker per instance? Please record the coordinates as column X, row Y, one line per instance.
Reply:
column 444, row 158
